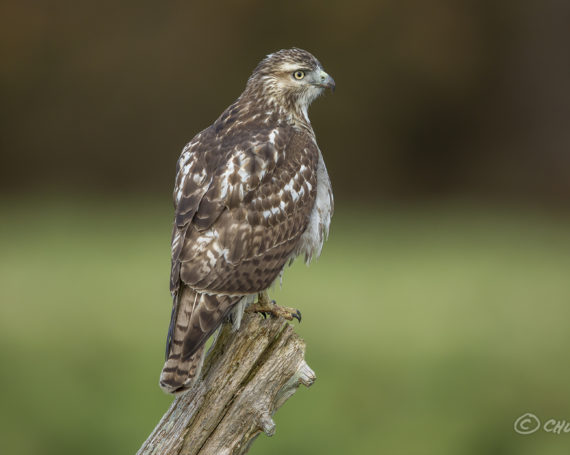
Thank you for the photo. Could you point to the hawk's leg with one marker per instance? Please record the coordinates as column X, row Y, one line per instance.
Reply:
column 265, row 306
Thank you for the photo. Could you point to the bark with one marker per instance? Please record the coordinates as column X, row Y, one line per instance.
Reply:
column 247, row 376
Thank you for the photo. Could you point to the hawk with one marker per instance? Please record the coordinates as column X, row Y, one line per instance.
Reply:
column 251, row 194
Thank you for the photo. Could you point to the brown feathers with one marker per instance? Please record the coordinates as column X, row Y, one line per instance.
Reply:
column 245, row 204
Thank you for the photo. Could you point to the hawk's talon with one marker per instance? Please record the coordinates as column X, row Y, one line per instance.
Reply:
column 297, row 315
column 269, row 308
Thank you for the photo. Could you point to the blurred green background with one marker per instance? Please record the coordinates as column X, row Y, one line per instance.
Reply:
column 439, row 312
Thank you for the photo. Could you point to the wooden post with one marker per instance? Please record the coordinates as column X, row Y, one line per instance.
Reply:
column 247, row 376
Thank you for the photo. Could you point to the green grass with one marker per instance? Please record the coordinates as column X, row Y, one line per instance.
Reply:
column 430, row 330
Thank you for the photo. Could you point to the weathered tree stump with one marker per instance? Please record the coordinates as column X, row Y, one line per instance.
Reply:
column 247, row 376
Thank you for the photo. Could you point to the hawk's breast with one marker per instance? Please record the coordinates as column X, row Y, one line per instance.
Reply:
column 311, row 242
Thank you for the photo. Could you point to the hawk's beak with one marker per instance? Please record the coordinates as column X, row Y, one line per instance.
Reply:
column 326, row 81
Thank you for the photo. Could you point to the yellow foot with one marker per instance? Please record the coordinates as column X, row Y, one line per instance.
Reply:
column 265, row 307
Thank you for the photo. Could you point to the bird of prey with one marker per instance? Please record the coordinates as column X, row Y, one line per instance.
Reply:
column 251, row 193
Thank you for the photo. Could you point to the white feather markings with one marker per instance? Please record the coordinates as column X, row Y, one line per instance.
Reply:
column 198, row 177
column 272, row 136
column 289, row 189
column 238, row 310
column 186, row 164
column 175, row 240
column 212, row 259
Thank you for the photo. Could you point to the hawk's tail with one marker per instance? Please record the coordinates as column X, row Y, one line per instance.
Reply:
column 195, row 316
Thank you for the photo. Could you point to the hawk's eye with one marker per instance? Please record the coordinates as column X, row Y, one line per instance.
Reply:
column 299, row 75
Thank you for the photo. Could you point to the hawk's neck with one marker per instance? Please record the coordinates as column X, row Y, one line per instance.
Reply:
column 270, row 107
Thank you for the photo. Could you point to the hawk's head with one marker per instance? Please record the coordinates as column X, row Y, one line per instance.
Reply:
column 291, row 78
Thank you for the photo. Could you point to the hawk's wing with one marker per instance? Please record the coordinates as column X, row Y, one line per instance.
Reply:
column 242, row 203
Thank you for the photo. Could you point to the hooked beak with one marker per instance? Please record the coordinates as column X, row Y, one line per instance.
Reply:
column 326, row 81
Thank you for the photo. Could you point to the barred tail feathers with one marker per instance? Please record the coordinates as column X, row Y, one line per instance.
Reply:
column 194, row 319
